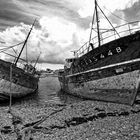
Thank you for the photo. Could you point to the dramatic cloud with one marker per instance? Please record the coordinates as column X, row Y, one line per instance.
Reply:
column 62, row 25
column 88, row 6
column 54, row 39
column 132, row 13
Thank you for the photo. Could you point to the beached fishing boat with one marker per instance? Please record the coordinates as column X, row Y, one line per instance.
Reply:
column 15, row 81
column 107, row 67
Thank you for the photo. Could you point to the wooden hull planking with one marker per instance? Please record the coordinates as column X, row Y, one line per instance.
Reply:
column 102, row 84
column 22, row 83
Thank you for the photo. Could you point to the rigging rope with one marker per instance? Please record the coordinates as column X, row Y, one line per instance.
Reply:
column 7, row 48
column 114, row 14
column 13, row 45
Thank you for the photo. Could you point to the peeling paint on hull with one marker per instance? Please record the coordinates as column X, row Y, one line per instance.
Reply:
column 101, row 75
column 120, row 87
column 22, row 82
column 17, row 91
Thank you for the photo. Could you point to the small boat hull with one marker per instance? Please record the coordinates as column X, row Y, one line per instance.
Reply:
column 15, row 90
column 21, row 83
column 16, row 81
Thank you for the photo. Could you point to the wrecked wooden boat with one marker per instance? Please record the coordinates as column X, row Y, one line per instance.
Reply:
column 15, row 81
column 107, row 67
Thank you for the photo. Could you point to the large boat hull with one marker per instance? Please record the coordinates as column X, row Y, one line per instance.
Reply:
column 107, row 66
column 115, row 83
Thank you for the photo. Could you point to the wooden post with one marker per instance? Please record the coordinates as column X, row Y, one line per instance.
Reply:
column 10, row 103
column 129, row 28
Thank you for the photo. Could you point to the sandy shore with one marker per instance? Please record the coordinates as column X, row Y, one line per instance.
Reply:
column 85, row 120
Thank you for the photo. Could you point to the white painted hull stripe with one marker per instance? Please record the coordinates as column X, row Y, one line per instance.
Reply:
column 112, row 65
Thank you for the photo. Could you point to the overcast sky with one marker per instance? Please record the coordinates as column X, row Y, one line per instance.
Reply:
column 62, row 26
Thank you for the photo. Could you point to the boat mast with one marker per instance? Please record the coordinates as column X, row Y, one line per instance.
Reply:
column 25, row 43
column 97, row 20
column 37, row 60
column 91, row 29
column 107, row 19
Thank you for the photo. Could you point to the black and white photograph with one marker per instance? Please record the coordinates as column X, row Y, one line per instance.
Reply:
column 69, row 69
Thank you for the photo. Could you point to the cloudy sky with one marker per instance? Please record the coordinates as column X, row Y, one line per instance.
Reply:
column 62, row 25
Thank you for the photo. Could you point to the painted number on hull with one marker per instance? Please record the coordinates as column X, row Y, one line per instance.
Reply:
column 118, row 49
column 102, row 56
column 110, row 53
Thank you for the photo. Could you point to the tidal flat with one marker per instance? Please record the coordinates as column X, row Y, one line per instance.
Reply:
column 77, row 120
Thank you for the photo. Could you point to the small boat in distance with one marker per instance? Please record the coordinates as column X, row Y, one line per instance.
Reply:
column 15, row 80
column 107, row 67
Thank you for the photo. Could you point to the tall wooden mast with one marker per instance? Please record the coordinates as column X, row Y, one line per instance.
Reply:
column 97, row 20
column 25, row 43
column 98, row 26
column 91, row 29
